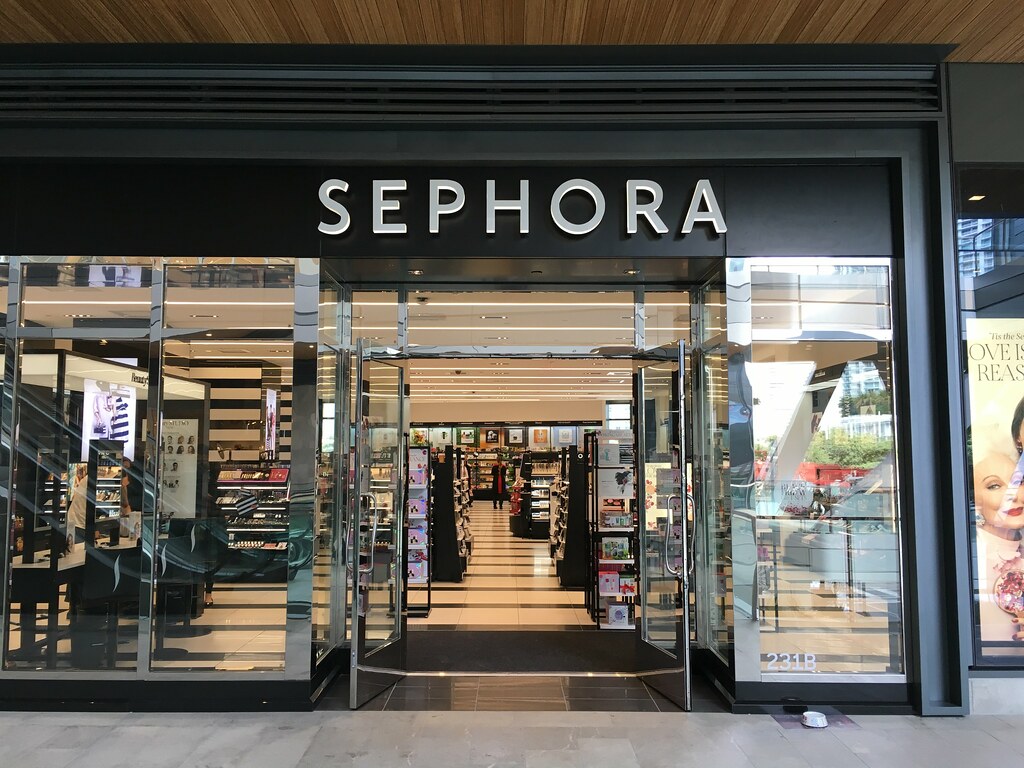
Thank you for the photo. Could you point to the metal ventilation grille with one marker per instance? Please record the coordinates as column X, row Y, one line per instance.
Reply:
column 332, row 96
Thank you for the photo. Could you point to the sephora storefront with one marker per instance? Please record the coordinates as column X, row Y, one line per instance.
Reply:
column 191, row 314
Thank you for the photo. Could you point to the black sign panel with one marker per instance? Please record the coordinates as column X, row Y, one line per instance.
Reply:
column 219, row 209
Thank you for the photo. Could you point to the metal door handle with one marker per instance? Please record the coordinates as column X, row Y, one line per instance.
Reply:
column 691, row 540
column 677, row 572
column 373, row 535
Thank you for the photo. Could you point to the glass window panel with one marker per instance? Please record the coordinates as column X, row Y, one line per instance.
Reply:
column 816, row 473
column 329, row 593
column 79, row 411
column 375, row 317
column 990, row 251
column 224, row 469
column 666, row 318
column 814, row 295
column 714, row 621
column 75, row 292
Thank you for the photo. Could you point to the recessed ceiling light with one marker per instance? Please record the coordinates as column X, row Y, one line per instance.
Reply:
column 205, row 317
column 976, row 198
column 103, row 342
column 209, row 334
column 494, row 317
column 631, row 271
column 76, row 316
column 416, row 272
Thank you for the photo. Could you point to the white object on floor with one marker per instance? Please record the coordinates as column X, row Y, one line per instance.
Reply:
column 814, row 720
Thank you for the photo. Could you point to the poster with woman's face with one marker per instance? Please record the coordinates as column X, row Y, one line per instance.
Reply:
column 995, row 371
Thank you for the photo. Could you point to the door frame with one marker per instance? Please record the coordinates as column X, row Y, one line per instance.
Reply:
column 373, row 671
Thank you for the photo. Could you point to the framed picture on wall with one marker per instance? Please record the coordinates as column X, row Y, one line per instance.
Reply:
column 491, row 436
column 440, row 437
column 515, row 435
column 467, row 435
column 540, row 437
column 565, row 435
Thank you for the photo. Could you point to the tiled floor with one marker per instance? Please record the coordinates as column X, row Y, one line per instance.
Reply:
column 499, row 739
column 510, row 583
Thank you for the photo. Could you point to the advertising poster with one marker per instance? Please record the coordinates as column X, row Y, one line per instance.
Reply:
column 467, row 436
column 565, row 436
column 108, row 414
column 419, row 436
column 615, row 448
column 115, row 276
column 440, row 437
column 995, row 370
column 179, row 460
column 514, row 435
column 270, row 433
column 615, row 483
column 540, row 437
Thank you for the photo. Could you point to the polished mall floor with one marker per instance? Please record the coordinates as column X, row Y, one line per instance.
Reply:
column 507, row 739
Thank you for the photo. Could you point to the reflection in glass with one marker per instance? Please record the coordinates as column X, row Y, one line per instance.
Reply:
column 381, row 471
column 664, row 507
column 222, row 552
column 712, row 525
column 77, row 409
column 990, row 245
column 375, row 317
column 813, row 466
column 329, row 593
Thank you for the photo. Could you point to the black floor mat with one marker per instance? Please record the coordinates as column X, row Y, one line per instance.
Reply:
column 521, row 651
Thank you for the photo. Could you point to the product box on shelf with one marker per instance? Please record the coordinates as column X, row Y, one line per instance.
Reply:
column 616, row 614
column 608, row 582
column 615, row 548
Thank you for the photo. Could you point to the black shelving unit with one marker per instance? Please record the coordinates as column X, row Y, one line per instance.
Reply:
column 451, row 539
column 570, row 532
column 535, row 504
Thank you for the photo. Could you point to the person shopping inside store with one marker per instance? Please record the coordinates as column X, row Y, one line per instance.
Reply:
column 498, row 485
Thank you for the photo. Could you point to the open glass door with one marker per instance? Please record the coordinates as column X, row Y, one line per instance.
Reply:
column 376, row 515
column 663, row 610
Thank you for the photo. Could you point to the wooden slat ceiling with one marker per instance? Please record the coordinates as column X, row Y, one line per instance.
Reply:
column 984, row 30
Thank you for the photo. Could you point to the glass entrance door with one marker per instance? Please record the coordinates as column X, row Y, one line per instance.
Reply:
column 376, row 525
column 663, row 610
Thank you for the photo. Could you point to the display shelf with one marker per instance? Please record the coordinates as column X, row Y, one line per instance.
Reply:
column 254, row 502
column 611, row 505
column 419, row 531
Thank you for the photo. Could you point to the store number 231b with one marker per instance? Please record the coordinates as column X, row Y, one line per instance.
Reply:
column 790, row 662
